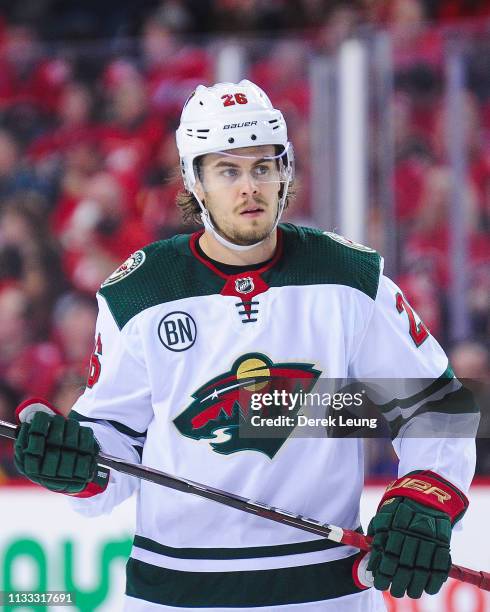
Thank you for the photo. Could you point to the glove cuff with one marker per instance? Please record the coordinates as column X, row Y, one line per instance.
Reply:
column 363, row 579
column 97, row 485
column 429, row 489
column 27, row 409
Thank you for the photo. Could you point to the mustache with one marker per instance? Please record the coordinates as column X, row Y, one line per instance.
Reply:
column 252, row 200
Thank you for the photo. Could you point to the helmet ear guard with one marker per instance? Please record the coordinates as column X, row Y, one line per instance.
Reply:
column 289, row 163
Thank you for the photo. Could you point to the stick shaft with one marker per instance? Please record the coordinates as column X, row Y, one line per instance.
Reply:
column 8, row 430
column 331, row 532
column 225, row 498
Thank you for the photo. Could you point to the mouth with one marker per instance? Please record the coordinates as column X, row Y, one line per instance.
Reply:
column 252, row 211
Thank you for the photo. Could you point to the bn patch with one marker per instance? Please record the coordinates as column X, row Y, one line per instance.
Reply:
column 177, row 331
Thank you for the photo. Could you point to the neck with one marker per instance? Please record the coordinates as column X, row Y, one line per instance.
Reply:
column 217, row 251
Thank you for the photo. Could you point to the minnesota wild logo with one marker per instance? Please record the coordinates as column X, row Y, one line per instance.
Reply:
column 133, row 262
column 224, row 404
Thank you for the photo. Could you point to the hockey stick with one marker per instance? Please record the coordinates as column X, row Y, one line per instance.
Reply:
column 331, row 532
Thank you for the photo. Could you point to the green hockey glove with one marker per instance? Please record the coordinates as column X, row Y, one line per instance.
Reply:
column 412, row 532
column 57, row 452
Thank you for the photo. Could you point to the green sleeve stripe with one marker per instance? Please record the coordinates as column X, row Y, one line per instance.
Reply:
column 446, row 377
column 120, row 427
column 456, row 402
column 252, row 552
column 139, row 450
column 243, row 589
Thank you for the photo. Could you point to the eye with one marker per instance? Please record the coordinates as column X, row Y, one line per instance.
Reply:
column 262, row 170
column 229, row 173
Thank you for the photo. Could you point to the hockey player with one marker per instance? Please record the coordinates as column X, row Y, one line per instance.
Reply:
column 187, row 326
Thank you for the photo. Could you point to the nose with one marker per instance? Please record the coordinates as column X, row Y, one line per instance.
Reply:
column 248, row 185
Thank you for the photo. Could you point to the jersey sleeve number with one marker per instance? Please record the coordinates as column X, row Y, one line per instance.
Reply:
column 95, row 366
column 232, row 99
column 418, row 331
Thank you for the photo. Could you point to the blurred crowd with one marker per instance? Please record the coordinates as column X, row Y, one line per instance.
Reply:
column 72, row 20
column 89, row 167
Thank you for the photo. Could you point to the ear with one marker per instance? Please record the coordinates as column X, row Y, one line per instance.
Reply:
column 199, row 190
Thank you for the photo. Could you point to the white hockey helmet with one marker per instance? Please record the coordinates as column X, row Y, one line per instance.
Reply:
column 229, row 116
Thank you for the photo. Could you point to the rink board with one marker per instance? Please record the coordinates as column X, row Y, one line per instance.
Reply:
column 44, row 545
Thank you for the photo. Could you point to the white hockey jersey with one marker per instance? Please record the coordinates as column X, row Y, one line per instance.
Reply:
column 176, row 341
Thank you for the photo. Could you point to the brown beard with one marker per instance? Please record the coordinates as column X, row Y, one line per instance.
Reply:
column 242, row 239
column 250, row 237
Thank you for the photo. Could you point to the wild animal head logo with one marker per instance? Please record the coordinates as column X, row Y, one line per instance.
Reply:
column 132, row 263
column 223, row 404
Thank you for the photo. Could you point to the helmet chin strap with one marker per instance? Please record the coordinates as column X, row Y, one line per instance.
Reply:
column 208, row 224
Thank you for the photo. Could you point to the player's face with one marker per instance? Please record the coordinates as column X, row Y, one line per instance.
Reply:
column 240, row 188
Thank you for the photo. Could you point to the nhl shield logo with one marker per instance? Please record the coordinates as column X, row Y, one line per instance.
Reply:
column 244, row 285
